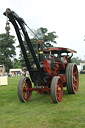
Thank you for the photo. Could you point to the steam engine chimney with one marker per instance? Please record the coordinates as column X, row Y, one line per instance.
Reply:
column 40, row 50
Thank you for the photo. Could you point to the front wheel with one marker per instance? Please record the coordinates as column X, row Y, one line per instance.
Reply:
column 24, row 93
column 56, row 89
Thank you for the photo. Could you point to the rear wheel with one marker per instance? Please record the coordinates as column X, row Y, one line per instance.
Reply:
column 24, row 93
column 72, row 78
column 56, row 89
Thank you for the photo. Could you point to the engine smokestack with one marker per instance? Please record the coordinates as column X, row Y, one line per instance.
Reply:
column 40, row 50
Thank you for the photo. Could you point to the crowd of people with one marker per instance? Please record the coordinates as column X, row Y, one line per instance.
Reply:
column 16, row 73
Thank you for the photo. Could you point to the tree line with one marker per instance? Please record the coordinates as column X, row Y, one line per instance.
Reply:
column 8, row 50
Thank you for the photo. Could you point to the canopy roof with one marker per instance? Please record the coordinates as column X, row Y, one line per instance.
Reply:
column 57, row 50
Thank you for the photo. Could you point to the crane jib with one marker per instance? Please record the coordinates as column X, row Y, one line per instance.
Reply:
column 18, row 23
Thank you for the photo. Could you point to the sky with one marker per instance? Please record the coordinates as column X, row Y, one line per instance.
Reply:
column 65, row 17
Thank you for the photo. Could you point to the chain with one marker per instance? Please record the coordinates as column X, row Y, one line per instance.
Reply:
column 7, row 28
column 32, row 31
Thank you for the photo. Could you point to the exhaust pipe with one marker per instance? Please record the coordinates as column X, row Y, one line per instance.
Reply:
column 40, row 50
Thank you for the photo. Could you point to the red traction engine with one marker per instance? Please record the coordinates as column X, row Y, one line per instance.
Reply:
column 52, row 69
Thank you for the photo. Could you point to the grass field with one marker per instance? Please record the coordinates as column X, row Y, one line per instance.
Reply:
column 40, row 111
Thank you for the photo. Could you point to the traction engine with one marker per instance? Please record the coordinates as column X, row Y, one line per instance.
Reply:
column 51, row 69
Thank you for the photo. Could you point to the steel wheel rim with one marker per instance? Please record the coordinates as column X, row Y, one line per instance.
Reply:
column 25, row 90
column 59, row 90
column 75, row 79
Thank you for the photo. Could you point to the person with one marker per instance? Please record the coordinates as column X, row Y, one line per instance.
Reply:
column 25, row 71
column 59, row 56
column 69, row 58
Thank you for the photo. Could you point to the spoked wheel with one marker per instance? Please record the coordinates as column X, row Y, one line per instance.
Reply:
column 72, row 78
column 56, row 89
column 24, row 93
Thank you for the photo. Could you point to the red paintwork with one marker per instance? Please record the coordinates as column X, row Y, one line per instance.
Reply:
column 57, row 69
column 63, row 77
column 47, row 67
column 75, row 79
column 59, row 89
column 40, row 89
column 59, row 50
column 25, row 90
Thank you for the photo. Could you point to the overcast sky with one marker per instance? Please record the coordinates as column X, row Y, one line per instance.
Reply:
column 65, row 17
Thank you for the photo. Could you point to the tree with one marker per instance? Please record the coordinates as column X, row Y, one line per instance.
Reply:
column 7, row 50
column 16, row 63
column 40, row 34
column 47, row 37
column 77, row 60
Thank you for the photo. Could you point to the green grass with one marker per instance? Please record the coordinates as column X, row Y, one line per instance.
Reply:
column 40, row 111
